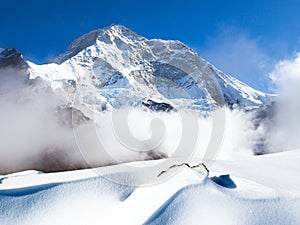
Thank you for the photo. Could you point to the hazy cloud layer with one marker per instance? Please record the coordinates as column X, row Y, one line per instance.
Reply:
column 32, row 135
column 286, row 132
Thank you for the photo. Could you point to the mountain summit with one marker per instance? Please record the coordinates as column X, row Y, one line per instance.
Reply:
column 114, row 66
column 105, row 35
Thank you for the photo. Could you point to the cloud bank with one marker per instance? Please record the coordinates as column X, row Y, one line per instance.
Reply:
column 285, row 133
column 35, row 135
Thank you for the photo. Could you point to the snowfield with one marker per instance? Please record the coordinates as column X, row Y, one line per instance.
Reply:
column 261, row 190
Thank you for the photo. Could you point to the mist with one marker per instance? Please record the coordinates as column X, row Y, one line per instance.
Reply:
column 153, row 135
column 32, row 136
column 285, row 131
column 35, row 134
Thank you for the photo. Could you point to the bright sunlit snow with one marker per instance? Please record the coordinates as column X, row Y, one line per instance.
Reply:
column 254, row 191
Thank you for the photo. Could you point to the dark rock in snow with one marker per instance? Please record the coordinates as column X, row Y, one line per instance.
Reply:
column 157, row 106
column 12, row 58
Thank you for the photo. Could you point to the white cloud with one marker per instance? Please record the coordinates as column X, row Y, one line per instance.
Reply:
column 286, row 132
column 286, row 72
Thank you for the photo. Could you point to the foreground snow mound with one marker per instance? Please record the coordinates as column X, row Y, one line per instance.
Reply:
column 263, row 190
column 209, row 203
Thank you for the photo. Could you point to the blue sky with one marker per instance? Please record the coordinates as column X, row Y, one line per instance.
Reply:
column 242, row 38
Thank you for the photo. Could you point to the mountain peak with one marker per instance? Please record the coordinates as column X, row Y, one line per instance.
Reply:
column 120, row 30
column 116, row 27
column 129, row 68
column 106, row 35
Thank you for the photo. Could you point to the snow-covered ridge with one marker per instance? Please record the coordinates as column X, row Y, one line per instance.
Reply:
column 120, row 67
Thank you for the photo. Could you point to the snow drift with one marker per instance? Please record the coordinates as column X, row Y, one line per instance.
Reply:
column 234, row 193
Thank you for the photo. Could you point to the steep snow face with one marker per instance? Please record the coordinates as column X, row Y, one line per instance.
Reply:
column 238, row 93
column 114, row 66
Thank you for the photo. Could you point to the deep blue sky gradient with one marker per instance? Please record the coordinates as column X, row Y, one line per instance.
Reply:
column 243, row 38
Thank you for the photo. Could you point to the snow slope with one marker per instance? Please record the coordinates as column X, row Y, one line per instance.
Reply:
column 114, row 66
column 263, row 190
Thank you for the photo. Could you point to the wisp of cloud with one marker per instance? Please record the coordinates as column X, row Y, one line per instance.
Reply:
column 285, row 133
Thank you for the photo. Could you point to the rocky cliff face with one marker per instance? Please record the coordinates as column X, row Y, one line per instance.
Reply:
column 12, row 58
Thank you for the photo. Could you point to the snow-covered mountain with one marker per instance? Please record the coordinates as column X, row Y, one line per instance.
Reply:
column 102, row 70
column 112, row 67
column 47, row 126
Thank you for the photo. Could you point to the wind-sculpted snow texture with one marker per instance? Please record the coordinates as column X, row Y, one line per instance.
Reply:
column 234, row 193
